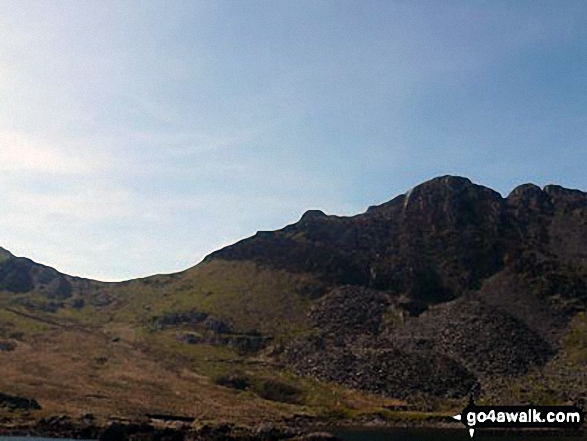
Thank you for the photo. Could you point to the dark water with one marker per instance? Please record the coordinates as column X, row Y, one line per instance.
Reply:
column 445, row 435
column 404, row 435
column 31, row 438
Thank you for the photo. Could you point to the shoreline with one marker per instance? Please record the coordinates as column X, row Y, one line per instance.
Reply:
column 297, row 428
column 302, row 428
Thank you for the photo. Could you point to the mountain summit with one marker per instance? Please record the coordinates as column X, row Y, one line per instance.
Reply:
column 443, row 290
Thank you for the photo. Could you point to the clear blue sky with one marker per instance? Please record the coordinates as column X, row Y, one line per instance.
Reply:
column 138, row 136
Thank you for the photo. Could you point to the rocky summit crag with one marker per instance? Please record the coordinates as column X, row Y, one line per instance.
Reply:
column 447, row 289
column 440, row 288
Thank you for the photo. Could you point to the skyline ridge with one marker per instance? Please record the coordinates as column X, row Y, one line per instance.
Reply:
column 314, row 213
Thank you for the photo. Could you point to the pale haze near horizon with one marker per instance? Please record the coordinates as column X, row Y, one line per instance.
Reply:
column 136, row 137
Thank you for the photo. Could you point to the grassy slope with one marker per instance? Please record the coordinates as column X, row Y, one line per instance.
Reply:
column 246, row 296
column 109, row 361
column 69, row 362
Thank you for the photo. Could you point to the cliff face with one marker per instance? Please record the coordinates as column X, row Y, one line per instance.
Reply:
column 439, row 241
column 450, row 276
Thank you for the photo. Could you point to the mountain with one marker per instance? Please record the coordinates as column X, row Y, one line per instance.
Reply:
column 439, row 289
column 447, row 289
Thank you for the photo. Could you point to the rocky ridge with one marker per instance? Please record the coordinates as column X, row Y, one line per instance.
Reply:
column 449, row 281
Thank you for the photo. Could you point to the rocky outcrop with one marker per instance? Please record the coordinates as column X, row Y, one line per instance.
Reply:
column 20, row 275
column 437, row 242
column 450, row 274
column 174, row 319
column 433, row 244
column 18, row 403
column 199, row 327
column 243, row 343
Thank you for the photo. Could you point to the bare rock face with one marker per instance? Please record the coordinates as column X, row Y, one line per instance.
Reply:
column 529, row 198
column 20, row 275
column 450, row 275
column 15, row 276
column 434, row 243
column 565, row 198
column 439, row 241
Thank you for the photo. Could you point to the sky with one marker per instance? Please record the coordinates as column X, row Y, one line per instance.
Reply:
column 138, row 136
